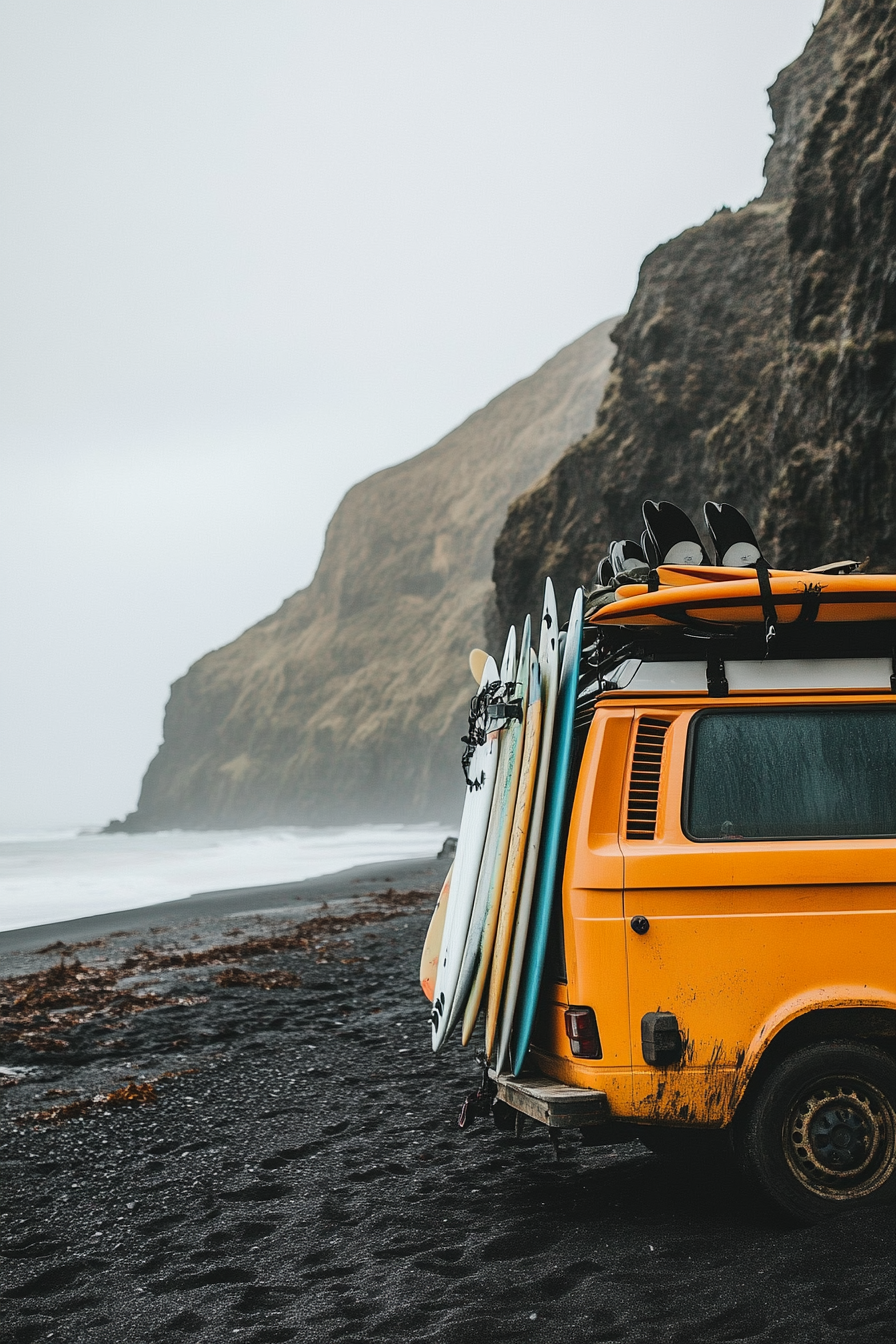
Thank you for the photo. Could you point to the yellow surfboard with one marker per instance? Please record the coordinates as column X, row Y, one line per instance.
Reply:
column 515, row 855
column 429, row 961
column 549, row 672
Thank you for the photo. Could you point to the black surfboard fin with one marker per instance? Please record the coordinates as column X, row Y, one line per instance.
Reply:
column 604, row 576
column 624, row 554
column 672, row 533
column 651, row 554
column 732, row 536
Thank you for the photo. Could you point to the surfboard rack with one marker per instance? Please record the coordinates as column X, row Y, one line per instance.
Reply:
column 554, row 1104
column 608, row 648
column 716, row 681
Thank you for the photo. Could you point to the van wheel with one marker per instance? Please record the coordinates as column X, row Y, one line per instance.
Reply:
column 819, row 1136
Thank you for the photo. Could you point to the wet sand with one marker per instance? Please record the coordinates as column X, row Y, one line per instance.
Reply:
column 283, row 1163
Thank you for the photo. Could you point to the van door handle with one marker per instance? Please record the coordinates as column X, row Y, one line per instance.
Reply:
column 640, row 923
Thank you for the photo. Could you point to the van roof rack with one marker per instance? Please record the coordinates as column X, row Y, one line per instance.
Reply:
column 605, row 647
column 744, row 654
column 663, row 602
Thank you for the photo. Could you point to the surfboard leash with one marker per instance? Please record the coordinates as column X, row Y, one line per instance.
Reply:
column 478, row 1104
column 490, row 711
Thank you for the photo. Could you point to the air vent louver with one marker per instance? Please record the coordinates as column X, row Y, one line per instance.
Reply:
column 644, row 786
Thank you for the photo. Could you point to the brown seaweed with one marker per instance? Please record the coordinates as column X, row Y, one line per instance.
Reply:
column 38, row 1009
column 132, row 1094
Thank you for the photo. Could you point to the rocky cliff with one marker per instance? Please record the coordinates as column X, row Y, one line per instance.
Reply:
column 757, row 362
column 347, row 704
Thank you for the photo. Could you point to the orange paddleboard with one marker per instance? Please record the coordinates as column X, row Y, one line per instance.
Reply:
column 738, row 601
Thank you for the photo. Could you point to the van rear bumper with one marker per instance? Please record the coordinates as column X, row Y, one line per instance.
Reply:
column 554, row 1104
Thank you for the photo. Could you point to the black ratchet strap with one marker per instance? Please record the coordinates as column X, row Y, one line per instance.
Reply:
column 477, row 731
column 490, row 711
column 716, row 680
column 500, row 714
column 768, row 603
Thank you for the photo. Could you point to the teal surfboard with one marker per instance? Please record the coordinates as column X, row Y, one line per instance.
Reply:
column 549, row 654
column 551, row 857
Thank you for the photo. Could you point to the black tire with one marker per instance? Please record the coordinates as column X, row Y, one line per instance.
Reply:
column 818, row 1136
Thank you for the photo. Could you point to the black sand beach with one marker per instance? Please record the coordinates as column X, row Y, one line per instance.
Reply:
column 271, row 1153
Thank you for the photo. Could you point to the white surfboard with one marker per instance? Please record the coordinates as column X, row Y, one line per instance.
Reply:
column 549, row 663
column 494, row 853
column 470, row 842
column 478, row 659
column 506, row 790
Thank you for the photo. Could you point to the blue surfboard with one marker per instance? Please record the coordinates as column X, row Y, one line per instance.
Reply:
column 552, row 835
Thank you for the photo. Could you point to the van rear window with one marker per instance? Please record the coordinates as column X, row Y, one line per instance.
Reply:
column 792, row 774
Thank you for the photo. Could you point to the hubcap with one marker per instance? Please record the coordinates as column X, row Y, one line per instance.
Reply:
column 840, row 1139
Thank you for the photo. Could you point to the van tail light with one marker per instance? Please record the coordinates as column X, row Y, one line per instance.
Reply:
column 581, row 1028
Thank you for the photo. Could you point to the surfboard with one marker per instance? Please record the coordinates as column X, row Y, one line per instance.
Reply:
column 648, row 546
column 516, row 854
column 470, row 841
column 548, row 663
column 732, row 536
column 738, row 600
column 718, row 574
column 551, row 857
column 624, row 554
column 604, row 576
column 478, row 659
column 470, row 951
column 432, row 945
column 672, row 535
column 481, row 938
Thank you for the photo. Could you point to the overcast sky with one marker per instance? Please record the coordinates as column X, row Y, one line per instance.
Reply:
column 251, row 252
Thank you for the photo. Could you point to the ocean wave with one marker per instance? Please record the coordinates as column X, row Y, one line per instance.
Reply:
column 70, row 872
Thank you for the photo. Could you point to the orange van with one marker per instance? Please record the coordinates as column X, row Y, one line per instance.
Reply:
column 723, row 956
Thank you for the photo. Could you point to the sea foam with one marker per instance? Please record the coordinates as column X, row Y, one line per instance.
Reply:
column 68, row 873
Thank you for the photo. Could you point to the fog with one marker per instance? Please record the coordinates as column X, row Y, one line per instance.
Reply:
column 252, row 252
